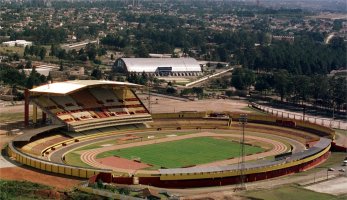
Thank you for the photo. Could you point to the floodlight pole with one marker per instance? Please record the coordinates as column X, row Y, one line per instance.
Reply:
column 243, row 122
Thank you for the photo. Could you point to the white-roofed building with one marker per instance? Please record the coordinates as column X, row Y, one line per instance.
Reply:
column 42, row 69
column 19, row 43
column 160, row 66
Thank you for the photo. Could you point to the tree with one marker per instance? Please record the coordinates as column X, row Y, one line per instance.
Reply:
column 142, row 52
column 28, row 65
column 219, row 66
column 171, row 90
column 54, row 50
column 34, row 79
column 91, row 51
column 242, row 79
column 42, row 53
column 301, row 86
column 26, row 51
column 237, row 79
column 61, row 54
column 96, row 73
column 11, row 76
column 319, row 87
column 281, row 82
column 61, row 67
column 261, row 84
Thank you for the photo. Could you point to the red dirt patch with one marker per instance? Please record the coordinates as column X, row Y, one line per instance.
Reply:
column 129, row 137
column 122, row 163
column 20, row 173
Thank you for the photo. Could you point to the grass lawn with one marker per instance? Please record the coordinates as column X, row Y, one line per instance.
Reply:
column 5, row 50
column 75, row 160
column 254, row 111
column 182, row 153
column 289, row 192
column 334, row 158
column 10, row 117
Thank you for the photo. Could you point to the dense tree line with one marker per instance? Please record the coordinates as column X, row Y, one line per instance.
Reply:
column 13, row 77
column 302, row 57
column 37, row 51
column 90, row 52
column 42, row 34
column 138, row 79
column 321, row 90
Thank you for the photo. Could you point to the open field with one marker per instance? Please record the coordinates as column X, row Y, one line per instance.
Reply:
column 8, row 50
column 334, row 160
column 289, row 192
column 336, row 186
column 182, row 153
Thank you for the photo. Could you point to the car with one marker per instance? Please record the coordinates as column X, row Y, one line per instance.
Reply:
column 342, row 170
column 331, row 169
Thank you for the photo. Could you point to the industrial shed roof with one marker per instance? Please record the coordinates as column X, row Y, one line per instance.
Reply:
column 152, row 64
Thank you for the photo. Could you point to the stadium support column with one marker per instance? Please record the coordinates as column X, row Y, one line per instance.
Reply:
column 34, row 114
column 230, row 122
column 44, row 117
column 26, row 108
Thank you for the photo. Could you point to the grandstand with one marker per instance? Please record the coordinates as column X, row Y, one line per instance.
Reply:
column 89, row 104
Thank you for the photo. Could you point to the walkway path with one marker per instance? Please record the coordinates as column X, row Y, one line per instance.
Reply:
column 328, row 122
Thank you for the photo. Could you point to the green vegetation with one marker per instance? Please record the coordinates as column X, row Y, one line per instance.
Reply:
column 14, row 77
column 289, row 192
column 75, row 160
column 10, row 117
column 334, row 158
column 182, row 153
column 254, row 111
column 20, row 189
column 24, row 190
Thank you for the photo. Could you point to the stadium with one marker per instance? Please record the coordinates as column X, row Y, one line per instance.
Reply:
column 101, row 130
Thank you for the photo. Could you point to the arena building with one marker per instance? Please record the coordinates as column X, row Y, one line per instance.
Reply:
column 160, row 66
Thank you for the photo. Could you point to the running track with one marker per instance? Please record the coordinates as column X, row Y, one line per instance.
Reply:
column 89, row 156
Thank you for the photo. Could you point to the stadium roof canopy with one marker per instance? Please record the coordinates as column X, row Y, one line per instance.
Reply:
column 70, row 86
column 150, row 65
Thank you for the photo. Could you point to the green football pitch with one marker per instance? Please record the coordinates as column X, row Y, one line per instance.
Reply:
column 181, row 153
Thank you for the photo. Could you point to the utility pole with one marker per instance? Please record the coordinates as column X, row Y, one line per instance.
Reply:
column 243, row 122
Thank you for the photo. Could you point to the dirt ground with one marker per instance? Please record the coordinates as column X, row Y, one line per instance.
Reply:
column 23, row 173
column 163, row 105
column 122, row 163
